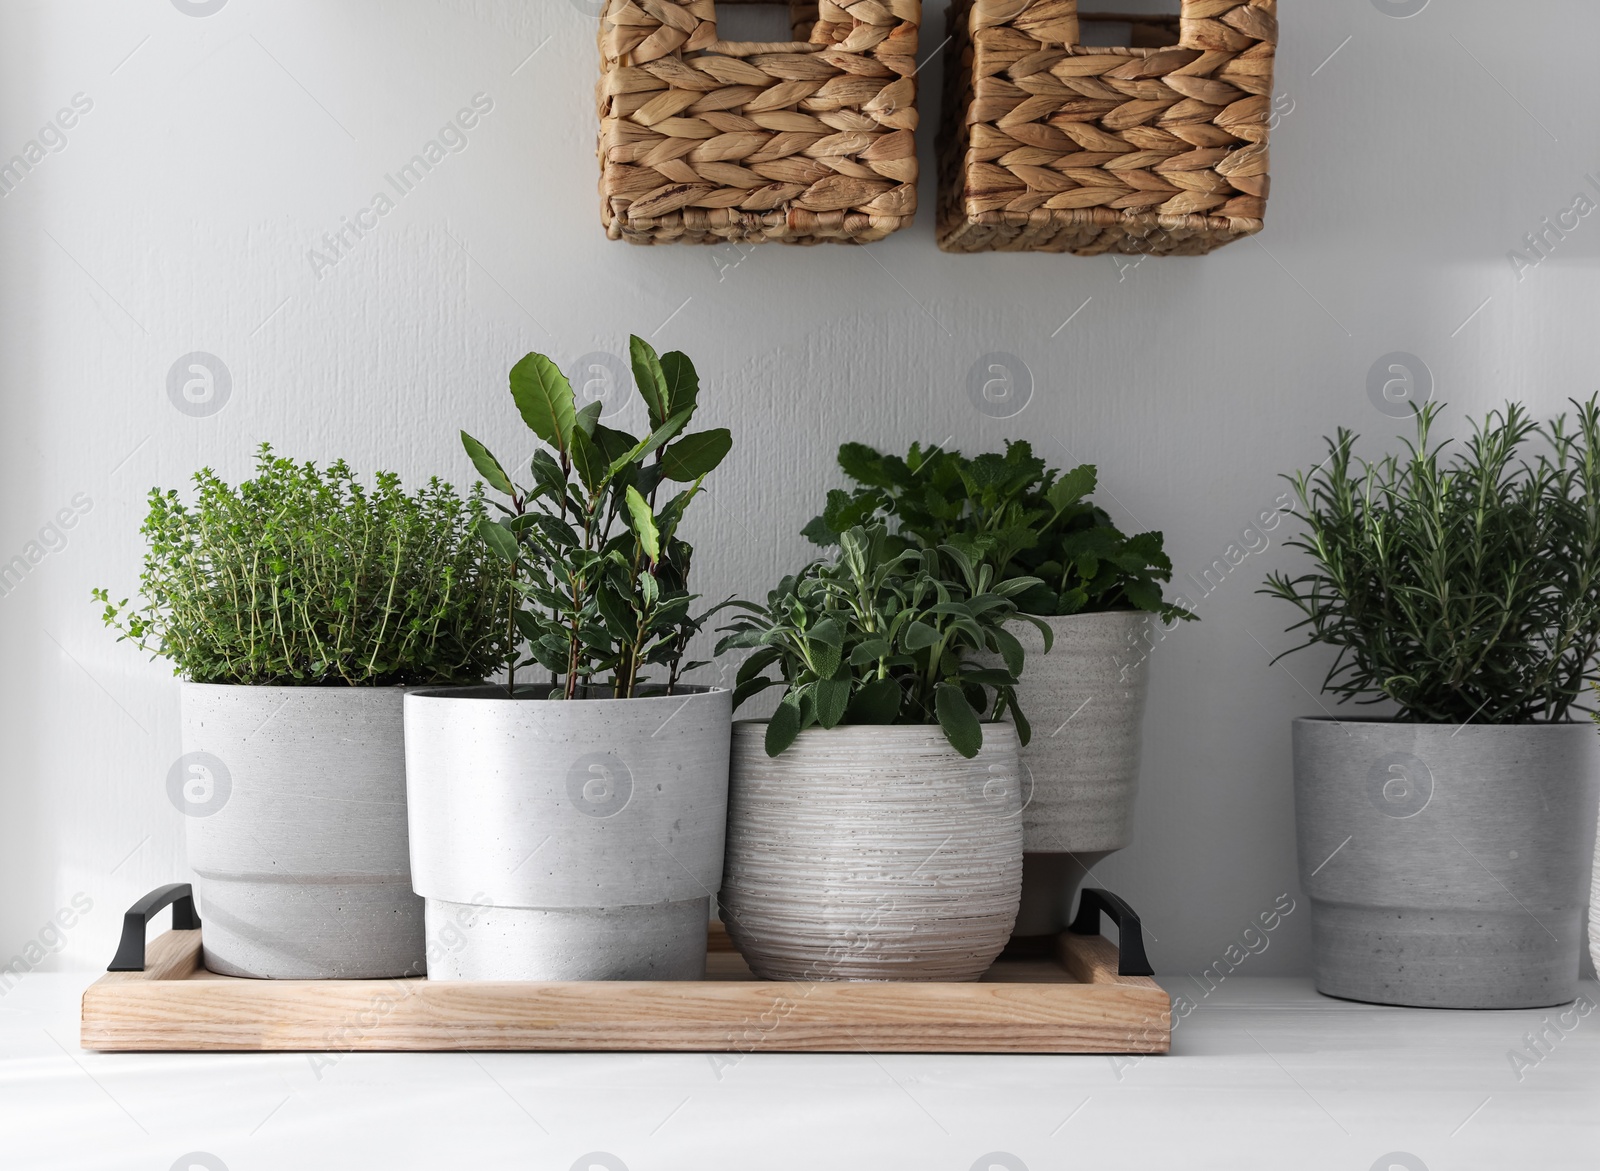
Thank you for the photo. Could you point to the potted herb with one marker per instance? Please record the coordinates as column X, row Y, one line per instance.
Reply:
column 873, row 824
column 572, row 828
column 297, row 607
column 1594, row 882
column 1097, row 591
column 1446, row 848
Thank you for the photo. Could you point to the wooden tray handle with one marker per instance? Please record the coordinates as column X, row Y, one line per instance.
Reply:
column 130, row 952
column 1131, row 959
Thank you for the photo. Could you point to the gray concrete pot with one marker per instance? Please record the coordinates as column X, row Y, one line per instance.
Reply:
column 296, row 831
column 872, row 853
column 1447, row 864
column 1085, row 700
column 1594, row 911
column 567, row 840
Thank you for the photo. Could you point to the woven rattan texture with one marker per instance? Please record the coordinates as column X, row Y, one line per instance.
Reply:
column 1051, row 146
column 703, row 141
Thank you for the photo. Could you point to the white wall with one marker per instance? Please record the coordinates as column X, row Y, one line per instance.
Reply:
column 1412, row 155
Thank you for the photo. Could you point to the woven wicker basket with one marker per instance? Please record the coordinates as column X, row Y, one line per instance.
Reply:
column 1052, row 146
column 703, row 140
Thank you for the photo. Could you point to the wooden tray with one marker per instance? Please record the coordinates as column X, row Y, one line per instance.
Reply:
column 1072, row 1001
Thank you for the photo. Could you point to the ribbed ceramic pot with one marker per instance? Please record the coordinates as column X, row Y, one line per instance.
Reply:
column 567, row 839
column 296, row 831
column 872, row 853
column 1085, row 700
column 1447, row 864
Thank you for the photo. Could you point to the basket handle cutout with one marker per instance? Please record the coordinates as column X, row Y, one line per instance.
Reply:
column 805, row 19
column 1199, row 25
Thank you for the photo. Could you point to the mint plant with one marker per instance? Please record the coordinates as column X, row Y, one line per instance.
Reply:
column 1464, row 589
column 1012, row 513
column 884, row 636
column 599, row 573
column 306, row 576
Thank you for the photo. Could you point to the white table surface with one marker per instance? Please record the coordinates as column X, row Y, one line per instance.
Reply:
column 1263, row 1074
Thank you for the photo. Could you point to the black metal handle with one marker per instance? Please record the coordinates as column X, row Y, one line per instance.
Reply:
column 1131, row 959
column 130, row 952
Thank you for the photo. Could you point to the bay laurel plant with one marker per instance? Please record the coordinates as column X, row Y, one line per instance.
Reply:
column 598, row 570
column 303, row 575
column 1011, row 512
column 1461, row 587
column 884, row 635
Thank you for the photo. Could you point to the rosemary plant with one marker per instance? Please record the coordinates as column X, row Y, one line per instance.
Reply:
column 1462, row 590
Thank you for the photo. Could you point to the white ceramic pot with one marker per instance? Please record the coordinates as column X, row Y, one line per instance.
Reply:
column 296, row 831
column 1085, row 700
column 872, row 853
column 1447, row 864
column 567, row 839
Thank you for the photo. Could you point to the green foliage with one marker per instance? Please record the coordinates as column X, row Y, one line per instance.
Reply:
column 1011, row 513
column 883, row 635
column 301, row 576
column 1463, row 592
column 599, row 572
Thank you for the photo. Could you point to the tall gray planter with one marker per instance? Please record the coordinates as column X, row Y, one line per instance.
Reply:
column 1594, row 911
column 296, row 831
column 1085, row 700
column 872, row 853
column 1447, row 865
column 567, row 840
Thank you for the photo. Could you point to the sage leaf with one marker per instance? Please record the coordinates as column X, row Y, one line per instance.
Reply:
column 784, row 727
column 832, row 696
column 958, row 720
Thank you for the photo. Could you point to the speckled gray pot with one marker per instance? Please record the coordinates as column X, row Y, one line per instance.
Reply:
column 1594, row 911
column 296, row 831
column 872, row 853
column 1085, row 700
column 567, row 840
column 1447, row 865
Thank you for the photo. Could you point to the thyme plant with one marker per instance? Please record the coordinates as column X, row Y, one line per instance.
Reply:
column 1464, row 588
column 1012, row 513
column 306, row 576
column 881, row 636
